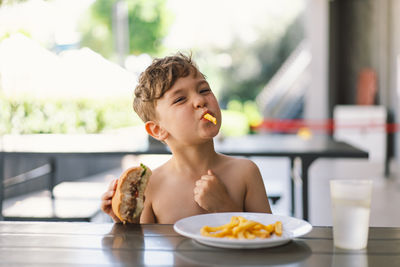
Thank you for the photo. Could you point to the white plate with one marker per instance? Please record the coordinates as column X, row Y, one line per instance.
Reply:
column 292, row 227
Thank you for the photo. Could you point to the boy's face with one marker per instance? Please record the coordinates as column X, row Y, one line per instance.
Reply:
column 180, row 111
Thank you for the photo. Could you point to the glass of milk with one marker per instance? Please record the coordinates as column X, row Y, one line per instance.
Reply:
column 351, row 201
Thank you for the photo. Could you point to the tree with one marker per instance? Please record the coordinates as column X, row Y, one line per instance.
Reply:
column 148, row 25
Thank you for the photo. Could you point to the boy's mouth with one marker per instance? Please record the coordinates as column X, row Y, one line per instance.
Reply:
column 209, row 117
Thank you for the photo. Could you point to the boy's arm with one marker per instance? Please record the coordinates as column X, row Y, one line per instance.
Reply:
column 147, row 215
column 256, row 199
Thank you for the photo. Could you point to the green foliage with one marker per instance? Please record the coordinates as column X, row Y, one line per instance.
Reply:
column 253, row 115
column 238, row 118
column 11, row 2
column 32, row 116
column 148, row 25
column 234, row 123
column 9, row 33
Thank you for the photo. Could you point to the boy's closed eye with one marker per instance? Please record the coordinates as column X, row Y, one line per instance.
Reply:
column 205, row 91
column 180, row 99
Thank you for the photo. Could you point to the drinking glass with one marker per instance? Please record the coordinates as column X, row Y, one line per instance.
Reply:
column 351, row 201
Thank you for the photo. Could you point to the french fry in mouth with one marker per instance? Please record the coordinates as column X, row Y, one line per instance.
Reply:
column 207, row 116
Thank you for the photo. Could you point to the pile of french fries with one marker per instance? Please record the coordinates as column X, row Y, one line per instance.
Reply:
column 241, row 228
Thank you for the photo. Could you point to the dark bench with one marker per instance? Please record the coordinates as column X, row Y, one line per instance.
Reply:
column 66, row 201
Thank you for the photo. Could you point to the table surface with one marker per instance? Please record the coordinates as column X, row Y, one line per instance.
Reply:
column 289, row 146
column 61, row 244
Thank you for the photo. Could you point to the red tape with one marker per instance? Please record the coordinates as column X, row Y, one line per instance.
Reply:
column 292, row 126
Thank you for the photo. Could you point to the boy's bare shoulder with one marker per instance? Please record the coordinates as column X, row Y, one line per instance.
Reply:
column 158, row 172
column 238, row 164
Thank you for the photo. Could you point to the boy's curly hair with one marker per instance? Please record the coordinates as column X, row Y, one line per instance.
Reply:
column 157, row 79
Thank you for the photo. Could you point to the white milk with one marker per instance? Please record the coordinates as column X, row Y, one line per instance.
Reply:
column 350, row 223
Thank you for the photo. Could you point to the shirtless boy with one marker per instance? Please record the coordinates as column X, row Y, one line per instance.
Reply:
column 171, row 98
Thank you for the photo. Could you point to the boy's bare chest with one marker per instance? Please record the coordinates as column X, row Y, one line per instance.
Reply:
column 175, row 201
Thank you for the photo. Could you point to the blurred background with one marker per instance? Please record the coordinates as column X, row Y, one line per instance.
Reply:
column 69, row 68
column 87, row 55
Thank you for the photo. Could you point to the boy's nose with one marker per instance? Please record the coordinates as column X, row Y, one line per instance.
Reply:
column 199, row 102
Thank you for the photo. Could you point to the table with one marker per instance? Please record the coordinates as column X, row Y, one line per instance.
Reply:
column 69, row 244
column 290, row 146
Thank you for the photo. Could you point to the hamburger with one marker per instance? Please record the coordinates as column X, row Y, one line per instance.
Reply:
column 128, row 200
